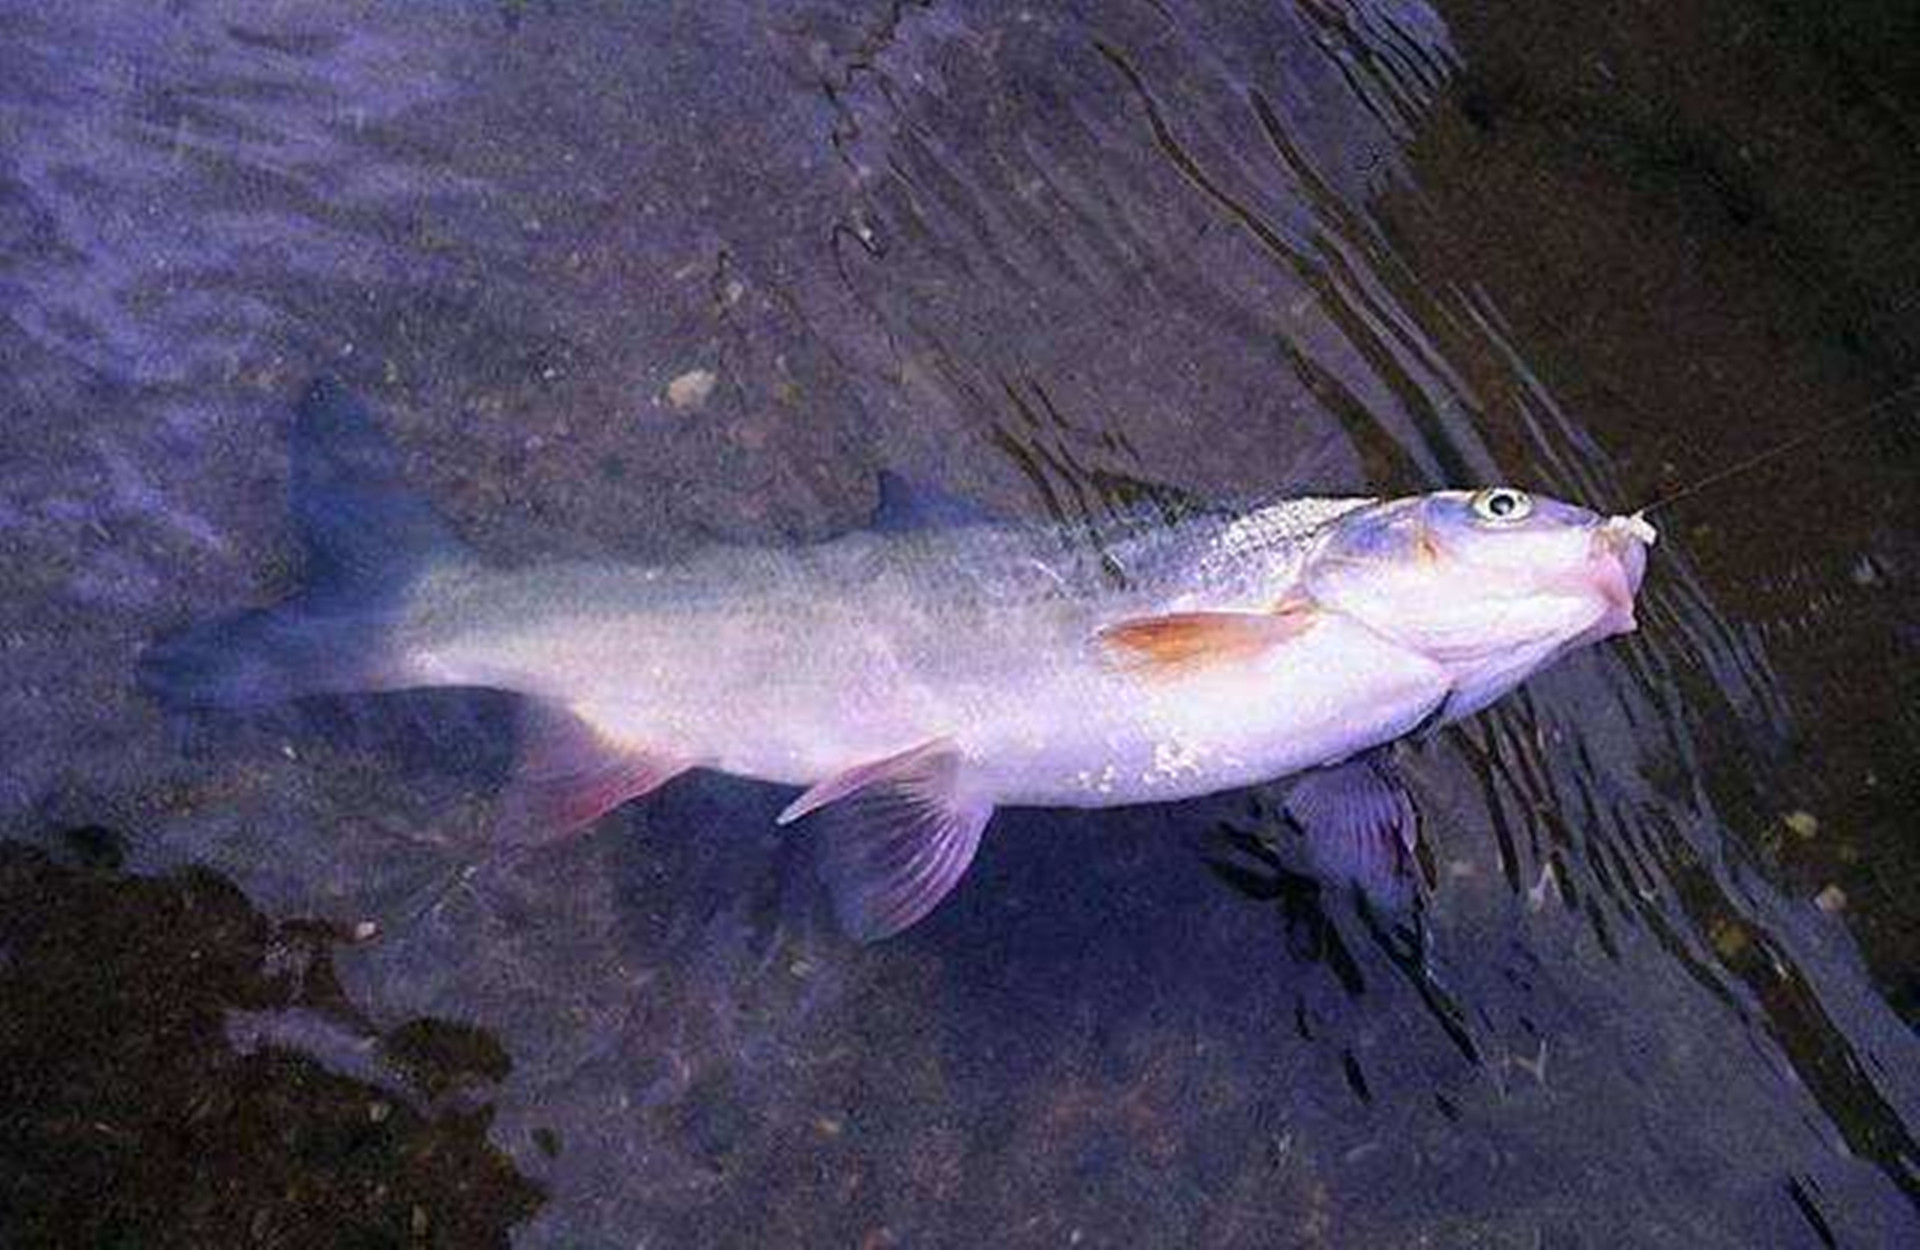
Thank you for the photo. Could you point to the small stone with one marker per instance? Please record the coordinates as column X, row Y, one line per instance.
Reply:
column 366, row 931
column 692, row 389
column 377, row 1111
column 1831, row 900
column 1729, row 938
column 1802, row 824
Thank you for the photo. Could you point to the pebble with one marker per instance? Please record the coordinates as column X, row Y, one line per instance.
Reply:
column 692, row 388
column 1830, row 900
column 1729, row 938
column 1803, row 824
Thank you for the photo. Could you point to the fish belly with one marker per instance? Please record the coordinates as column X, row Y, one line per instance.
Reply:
column 1100, row 737
column 1063, row 729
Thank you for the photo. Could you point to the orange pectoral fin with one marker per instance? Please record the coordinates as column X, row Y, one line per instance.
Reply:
column 1181, row 643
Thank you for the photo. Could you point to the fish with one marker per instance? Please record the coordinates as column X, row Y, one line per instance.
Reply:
column 911, row 679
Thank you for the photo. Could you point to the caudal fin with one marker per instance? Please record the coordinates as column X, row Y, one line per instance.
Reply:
column 367, row 538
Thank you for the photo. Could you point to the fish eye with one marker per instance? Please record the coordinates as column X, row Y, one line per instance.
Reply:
column 1502, row 504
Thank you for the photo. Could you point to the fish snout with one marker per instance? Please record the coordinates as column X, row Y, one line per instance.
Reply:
column 1618, row 562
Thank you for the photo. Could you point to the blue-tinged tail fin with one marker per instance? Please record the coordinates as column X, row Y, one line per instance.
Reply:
column 367, row 539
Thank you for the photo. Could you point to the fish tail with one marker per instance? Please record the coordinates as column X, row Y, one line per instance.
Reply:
column 256, row 658
column 367, row 537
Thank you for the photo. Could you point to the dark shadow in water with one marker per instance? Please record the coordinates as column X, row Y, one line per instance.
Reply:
column 160, row 1088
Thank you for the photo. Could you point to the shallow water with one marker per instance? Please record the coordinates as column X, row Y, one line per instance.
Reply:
column 1664, row 991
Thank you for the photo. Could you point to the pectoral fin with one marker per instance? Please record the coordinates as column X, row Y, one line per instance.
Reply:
column 569, row 773
column 1360, row 826
column 899, row 838
column 1183, row 642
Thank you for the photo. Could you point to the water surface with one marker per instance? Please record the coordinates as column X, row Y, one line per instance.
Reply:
column 623, row 279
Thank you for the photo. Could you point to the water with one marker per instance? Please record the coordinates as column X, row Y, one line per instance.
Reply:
column 627, row 278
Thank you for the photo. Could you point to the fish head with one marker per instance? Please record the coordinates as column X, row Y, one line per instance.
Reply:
column 1489, row 583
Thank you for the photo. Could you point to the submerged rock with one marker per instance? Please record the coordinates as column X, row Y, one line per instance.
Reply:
column 133, row 1117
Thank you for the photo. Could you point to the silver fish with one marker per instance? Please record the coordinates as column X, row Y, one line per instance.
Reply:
column 914, row 680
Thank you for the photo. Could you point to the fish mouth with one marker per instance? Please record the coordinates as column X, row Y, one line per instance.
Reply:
column 1617, row 563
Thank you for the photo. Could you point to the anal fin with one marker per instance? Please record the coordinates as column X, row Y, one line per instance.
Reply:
column 899, row 838
column 569, row 773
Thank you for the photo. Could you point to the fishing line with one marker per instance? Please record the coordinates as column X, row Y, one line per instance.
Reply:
column 1870, row 412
